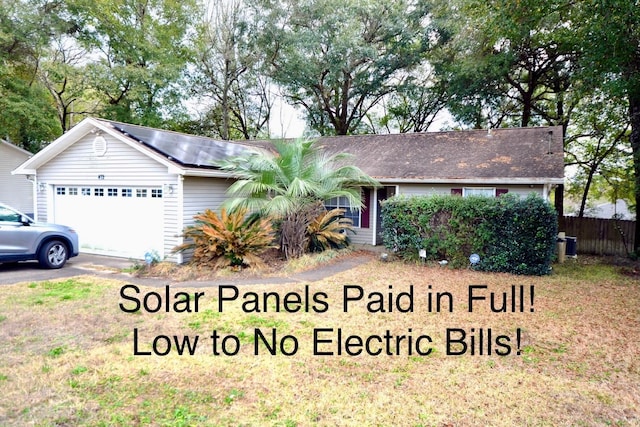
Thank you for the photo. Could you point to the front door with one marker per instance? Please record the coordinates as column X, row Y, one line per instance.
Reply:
column 382, row 194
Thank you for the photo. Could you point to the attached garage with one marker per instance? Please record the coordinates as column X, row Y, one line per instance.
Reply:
column 127, row 190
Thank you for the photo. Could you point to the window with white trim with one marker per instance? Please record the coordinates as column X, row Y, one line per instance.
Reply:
column 86, row 191
column 156, row 193
column 343, row 203
column 98, row 192
column 60, row 191
column 112, row 192
column 126, row 192
column 73, row 191
column 479, row 191
column 141, row 192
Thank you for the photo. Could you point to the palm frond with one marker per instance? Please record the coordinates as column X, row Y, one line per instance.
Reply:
column 329, row 231
column 229, row 239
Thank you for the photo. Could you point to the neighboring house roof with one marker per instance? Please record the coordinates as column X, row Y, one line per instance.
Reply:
column 7, row 144
column 522, row 155
column 619, row 209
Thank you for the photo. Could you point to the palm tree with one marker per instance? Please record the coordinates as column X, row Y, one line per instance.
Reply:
column 292, row 185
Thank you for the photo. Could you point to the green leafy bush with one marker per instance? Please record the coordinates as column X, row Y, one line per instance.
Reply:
column 509, row 233
column 228, row 239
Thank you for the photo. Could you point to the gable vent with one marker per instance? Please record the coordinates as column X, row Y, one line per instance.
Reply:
column 99, row 145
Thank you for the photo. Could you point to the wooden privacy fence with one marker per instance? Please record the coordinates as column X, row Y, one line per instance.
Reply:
column 600, row 236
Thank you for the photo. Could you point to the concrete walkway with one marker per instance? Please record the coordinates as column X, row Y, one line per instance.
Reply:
column 115, row 268
column 313, row 275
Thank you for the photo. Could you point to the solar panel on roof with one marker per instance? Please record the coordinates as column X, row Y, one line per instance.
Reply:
column 189, row 150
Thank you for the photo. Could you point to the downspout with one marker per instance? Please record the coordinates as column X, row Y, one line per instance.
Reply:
column 546, row 191
column 34, row 195
column 374, row 204
column 180, row 219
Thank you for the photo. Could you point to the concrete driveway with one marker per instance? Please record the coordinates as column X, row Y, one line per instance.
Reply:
column 77, row 266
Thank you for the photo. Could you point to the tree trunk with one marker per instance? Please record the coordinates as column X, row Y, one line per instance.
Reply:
column 293, row 235
column 634, row 114
column 294, row 239
column 585, row 193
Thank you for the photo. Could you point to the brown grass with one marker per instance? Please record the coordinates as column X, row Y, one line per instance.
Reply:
column 67, row 358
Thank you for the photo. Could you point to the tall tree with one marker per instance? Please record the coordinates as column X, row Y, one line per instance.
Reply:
column 62, row 72
column 227, row 74
column 338, row 58
column 26, row 26
column 609, row 31
column 507, row 63
column 416, row 102
column 142, row 48
column 598, row 146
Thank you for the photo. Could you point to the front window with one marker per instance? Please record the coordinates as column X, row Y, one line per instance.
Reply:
column 484, row 192
column 343, row 203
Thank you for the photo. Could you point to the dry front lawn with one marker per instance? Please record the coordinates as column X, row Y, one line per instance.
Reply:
column 446, row 348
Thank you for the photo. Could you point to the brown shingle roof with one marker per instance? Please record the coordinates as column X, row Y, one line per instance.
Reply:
column 525, row 155
column 510, row 154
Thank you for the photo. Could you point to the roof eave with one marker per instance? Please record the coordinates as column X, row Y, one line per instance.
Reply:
column 475, row 181
column 206, row 173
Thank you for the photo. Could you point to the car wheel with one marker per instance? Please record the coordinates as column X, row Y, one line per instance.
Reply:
column 53, row 254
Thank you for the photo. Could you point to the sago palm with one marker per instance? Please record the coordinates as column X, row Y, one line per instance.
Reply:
column 227, row 239
column 292, row 184
column 329, row 231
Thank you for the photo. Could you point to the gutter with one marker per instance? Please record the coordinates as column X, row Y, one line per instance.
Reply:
column 484, row 181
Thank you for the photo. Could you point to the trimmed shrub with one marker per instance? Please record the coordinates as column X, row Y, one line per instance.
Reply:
column 509, row 233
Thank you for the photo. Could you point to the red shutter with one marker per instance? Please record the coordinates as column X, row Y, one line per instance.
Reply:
column 364, row 212
column 456, row 191
column 501, row 191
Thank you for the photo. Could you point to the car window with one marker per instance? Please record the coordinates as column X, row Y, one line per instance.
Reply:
column 8, row 215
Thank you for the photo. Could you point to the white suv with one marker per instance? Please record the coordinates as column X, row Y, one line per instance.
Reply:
column 23, row 239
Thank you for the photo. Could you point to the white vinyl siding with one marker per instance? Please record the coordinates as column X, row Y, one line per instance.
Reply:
column 172, row 229
column 201, row 194
column 15, row 190
column 198, row 195
column 363, row 236
column 120, row 166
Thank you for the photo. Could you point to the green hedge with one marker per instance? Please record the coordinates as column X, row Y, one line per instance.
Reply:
column 511, row 234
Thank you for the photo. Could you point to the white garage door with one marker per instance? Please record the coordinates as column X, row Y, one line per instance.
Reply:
column 120, row 221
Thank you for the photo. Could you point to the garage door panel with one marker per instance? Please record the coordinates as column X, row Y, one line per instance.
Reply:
column 121, row 221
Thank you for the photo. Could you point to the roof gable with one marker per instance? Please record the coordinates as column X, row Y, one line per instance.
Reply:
column 76, row 133
column 9, row 146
